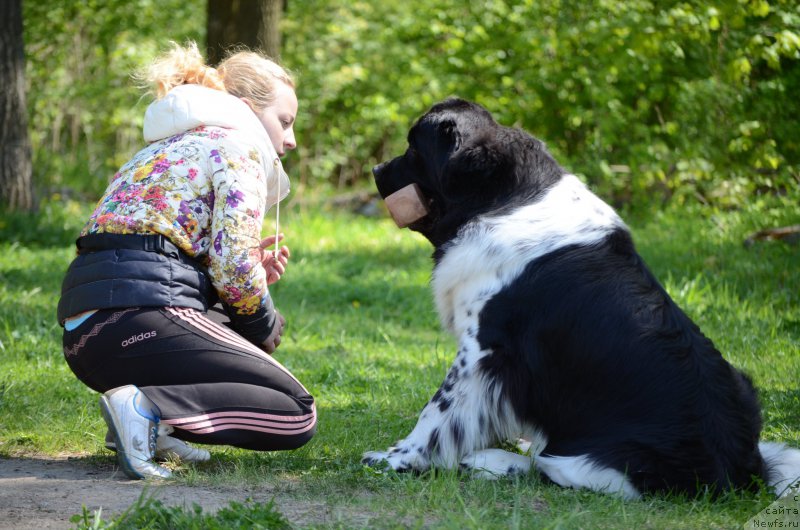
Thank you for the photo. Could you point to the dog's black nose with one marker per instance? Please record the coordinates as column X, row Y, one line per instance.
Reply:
column 377, row 169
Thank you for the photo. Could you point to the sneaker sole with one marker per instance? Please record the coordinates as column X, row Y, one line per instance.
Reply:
column 111, row 420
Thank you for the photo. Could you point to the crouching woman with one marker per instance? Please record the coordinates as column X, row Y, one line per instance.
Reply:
column 166, row 308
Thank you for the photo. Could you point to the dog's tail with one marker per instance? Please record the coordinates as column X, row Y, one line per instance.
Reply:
column 783, row 467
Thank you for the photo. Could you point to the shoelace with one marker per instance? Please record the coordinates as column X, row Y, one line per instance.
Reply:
column 152, row 440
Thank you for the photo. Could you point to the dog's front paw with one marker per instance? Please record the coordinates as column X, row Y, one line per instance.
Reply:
column 391, row 459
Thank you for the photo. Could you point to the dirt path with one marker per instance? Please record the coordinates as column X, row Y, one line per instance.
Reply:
column 43, row 493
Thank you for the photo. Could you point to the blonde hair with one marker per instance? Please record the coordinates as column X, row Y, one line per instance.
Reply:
column 243, row 73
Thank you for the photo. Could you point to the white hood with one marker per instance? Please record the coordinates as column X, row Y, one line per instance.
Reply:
column 186, row 107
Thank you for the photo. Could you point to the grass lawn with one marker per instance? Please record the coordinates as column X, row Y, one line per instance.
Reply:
column 364, row 339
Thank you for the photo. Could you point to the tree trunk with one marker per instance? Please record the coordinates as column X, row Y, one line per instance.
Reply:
column 269, row 34
column 252, row 23
column 16, row 169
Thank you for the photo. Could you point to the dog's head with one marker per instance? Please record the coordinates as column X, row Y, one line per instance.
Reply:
column 459, row 164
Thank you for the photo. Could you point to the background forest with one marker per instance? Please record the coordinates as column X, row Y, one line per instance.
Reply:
column 649, row 101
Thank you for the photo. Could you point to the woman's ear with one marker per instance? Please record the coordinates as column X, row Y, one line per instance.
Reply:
column 248, row 103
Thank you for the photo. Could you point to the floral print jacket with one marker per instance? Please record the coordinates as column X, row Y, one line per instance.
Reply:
column 205, row 183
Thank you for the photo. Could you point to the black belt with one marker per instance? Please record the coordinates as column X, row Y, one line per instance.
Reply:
column 147, row 242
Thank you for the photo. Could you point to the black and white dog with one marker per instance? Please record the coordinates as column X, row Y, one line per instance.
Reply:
column 565, row 338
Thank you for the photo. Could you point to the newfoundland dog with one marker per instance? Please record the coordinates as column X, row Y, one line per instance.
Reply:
column 566, row 341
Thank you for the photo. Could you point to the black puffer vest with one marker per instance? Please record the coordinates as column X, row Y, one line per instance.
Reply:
column 116, row 271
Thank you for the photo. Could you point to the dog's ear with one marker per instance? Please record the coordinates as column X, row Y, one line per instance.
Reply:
column 435, row 139
column 477, row 167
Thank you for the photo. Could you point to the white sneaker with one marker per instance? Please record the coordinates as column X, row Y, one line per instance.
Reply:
column 168, row 447
column 133, row 421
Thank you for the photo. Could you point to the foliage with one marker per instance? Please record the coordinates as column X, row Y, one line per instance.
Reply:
column 56, row 221
column 688, row 99
column 86, row 112
column 364, row 338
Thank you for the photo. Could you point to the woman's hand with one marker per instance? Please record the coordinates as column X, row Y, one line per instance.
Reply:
column 274, row 262
column 274, row 340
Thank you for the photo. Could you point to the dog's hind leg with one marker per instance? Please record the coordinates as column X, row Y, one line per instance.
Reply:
column 581, row 472
column 495, row 463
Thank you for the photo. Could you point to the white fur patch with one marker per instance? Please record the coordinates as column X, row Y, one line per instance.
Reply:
column 783, row 467
column 491, row 252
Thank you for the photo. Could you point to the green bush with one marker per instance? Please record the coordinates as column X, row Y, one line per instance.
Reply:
column 85, row 111
column 689, row 101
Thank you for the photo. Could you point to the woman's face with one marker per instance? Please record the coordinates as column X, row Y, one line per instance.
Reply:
column 278, row 118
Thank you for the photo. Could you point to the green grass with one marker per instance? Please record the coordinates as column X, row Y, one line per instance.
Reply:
column 148, row 513
column 364, row 338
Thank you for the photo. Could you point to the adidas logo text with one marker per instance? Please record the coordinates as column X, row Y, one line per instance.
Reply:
column 137, row 338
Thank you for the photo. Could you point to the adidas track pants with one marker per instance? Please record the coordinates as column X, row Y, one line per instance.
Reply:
column 211, row 384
